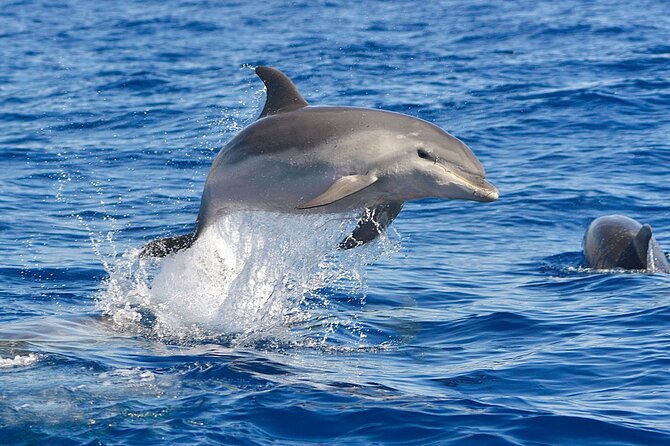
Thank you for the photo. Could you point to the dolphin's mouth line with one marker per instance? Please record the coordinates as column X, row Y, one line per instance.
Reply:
column 476, row 189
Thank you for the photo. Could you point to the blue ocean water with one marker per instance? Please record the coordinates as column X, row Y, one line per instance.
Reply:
column 470, row 324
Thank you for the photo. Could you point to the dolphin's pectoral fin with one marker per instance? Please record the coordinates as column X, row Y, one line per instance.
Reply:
column 282, row 96
column 372, row 224
column 635, row 255
column 341, row 188
column 167, row 245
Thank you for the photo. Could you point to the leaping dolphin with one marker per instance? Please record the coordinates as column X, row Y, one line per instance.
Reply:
column 300, row 159
column 616, row 241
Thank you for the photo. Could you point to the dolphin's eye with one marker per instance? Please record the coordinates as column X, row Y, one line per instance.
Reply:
column 426, row 155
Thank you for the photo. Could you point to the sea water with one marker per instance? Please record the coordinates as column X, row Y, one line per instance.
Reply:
column 470, row 323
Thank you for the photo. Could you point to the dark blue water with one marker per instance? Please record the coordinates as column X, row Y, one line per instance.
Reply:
column 472, row 323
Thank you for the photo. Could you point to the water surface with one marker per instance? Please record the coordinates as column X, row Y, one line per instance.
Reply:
column 472, row 323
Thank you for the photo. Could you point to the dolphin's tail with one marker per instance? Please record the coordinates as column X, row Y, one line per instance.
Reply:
column 167, row 245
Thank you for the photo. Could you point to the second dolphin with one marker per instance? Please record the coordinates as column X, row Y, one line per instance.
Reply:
column 617, row 241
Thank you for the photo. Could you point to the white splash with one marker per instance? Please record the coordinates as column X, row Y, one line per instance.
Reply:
column 252, row 275
column 19, row 361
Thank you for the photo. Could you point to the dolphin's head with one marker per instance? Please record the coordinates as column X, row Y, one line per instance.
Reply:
column 436, row 164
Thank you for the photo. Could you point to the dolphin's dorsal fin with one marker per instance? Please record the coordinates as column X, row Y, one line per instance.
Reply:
column 641, row 243
column 635, row 255
column 282, row 96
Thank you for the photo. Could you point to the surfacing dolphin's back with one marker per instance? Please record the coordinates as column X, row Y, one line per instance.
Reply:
column 301, row 159
column 616, row 241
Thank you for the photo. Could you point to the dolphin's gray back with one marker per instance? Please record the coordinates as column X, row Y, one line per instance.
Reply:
column 309, row 128
column 300, row 131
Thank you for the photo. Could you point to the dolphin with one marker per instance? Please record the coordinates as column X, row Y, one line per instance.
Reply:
column 616, row 241
column 301, row 159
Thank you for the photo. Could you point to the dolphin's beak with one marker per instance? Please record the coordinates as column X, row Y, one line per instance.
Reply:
column 485, row 191
column 472, row 187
